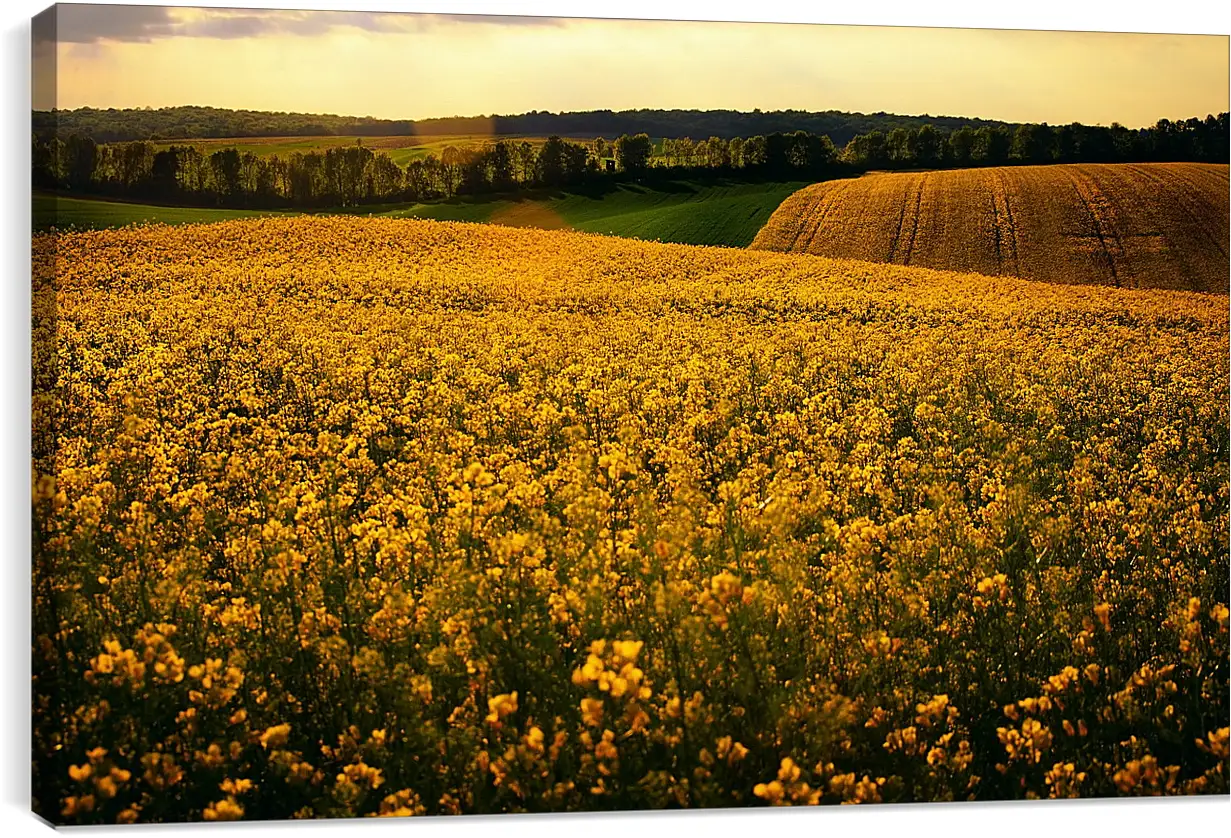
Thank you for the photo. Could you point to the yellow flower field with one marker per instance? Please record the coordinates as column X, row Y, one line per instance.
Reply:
column 342, row 517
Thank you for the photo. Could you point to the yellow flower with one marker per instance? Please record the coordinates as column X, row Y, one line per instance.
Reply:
column 592, row 711
column 501, row 706
column 788, row 771
column 771, row 792
column 275, row 736
column 224, row 810
column 74, row 805
column 233, row 787
column 627, row 650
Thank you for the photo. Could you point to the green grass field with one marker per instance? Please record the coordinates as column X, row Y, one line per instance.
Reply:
column 683, row 212
column 89, row 214
column 401, row 149
column 726, row 213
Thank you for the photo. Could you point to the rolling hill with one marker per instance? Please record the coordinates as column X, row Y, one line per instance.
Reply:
column 725, row 213
column 295, row 474
column 66, row 213
column 1159, row 225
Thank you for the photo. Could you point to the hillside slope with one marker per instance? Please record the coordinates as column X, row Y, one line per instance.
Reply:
column 727, row 213
column 478, row 484
column 1158, row 225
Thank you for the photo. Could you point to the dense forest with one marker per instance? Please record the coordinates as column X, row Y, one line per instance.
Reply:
column 1190, row 140
column 354, row 175
column 190, row 122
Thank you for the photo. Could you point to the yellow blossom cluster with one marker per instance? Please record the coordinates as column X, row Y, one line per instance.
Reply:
column 342, row 517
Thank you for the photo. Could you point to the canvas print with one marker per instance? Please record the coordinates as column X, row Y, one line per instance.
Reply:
column 442, row 414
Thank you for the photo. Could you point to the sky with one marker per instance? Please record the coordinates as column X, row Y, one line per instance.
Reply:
column 414, row 66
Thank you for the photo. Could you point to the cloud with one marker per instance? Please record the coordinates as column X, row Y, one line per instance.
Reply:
column 81, row 24
column 88, row 24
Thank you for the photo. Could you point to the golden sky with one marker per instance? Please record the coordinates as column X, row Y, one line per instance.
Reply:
column 408, row 66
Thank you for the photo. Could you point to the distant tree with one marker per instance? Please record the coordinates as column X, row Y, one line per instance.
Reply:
column 476, row 172
column 1164, row 136
column 388, row 177
column 600, row 148
column 80, row 159
column 1212, row 139
column 735, row 150
column 866, row 151
column 899, row 148
column 1188, row 133
column 717, row 153
column 193, row 171
column 777, row 153
column 754, row 152
column 686, row 151
column 1095, row 144
column 825, row 153
column 451, row 159
column 799, row 151
column 249, row 174
column 1033, row 143
column 418, row 179
column 527, row 160
column 633, row 153
column 1067, row 142
column 576, row 161
column 667, row 151
column 224, row 168
column 258, row 179
column 279, row 172
column 551, row 162
column 961, row 146
column 991, row 147
column 45, row 163
column 1122, row 142
column 924, row 145
column 306, row 178
column 165, row 172
column 811, row 153
column 502, row 166
column 347, row 171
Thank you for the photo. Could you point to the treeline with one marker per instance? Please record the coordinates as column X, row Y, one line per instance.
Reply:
column 355, row 175
column 192, row 122
column 1190, row 140
column 339, row 176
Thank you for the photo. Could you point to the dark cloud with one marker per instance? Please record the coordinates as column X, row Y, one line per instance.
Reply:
column 81, row 24
column 85, row 24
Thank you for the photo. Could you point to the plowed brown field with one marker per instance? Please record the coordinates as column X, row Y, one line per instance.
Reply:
column 1154, row 225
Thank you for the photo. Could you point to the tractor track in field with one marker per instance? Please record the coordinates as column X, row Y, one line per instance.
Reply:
column 1158, row 225
column 1101, row 220
column 914, row 221
column 829, row 202
column 1185, row 206
column 1010, row 222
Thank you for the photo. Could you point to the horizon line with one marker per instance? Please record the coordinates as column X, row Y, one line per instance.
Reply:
column 148, row 108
